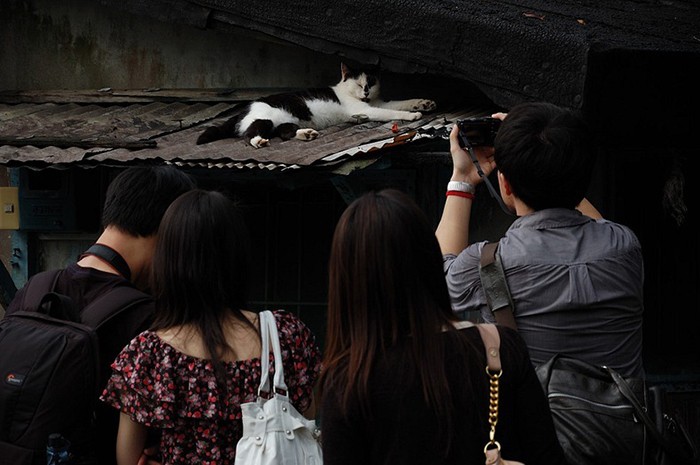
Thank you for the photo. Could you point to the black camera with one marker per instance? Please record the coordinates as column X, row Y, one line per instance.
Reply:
column 479, row 130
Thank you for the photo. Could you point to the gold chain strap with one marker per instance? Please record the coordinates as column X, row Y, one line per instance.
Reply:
column 493, row 409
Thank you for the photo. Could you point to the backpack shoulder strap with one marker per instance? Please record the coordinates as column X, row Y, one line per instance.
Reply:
column 493, row 281
column 37, row 287
column 110, row 304
column 112, row 257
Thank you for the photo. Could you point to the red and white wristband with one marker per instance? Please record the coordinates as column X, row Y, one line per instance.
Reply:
column 460, row 189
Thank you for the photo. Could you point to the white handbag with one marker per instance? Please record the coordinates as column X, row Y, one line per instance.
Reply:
column 274, row 432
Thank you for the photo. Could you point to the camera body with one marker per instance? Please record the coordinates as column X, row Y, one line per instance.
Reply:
column 479, row 130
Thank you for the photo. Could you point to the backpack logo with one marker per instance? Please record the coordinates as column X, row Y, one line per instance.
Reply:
column 14, row 379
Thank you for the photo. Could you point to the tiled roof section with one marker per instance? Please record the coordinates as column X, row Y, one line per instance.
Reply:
column 42, row 134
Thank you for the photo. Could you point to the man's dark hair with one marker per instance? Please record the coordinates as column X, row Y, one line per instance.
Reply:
column 138, row 197
column 547, row 154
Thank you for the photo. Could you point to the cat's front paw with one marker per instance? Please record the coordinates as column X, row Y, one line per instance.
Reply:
column 424, row 105
column 306, row 134
column 413, row 116
column 259, row 142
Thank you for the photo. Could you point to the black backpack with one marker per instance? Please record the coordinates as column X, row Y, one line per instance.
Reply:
column 49, row 364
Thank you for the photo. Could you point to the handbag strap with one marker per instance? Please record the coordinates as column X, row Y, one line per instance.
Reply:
column 270, row 337
column 264, row 354
column 277, row 351
column 491, row 339
column 492, row 343
column 493, row 280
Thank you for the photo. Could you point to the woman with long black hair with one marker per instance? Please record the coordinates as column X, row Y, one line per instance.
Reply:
column 403, row 381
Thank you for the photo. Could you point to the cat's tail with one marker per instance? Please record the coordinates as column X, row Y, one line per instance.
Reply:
column 225, row 131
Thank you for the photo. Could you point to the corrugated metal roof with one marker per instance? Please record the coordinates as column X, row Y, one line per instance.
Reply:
column 122, row 132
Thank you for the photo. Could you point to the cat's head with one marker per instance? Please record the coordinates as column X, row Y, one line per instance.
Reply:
column 362, row 84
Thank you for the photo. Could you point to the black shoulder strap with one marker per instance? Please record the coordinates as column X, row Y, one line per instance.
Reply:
column 110, row 304
column 493, row 280
column 112, row 256
column 37, row 287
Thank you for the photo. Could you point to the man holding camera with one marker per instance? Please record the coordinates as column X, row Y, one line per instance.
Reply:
column 576, row 279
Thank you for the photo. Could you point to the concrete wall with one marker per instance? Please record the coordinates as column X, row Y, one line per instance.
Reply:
column 80, row 44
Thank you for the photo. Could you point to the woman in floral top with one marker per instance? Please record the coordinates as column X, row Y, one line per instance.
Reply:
column 188, row 376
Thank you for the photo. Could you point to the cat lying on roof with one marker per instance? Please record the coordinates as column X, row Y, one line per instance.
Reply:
column 301, row 114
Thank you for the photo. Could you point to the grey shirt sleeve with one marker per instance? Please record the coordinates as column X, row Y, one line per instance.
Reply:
column 464, row 285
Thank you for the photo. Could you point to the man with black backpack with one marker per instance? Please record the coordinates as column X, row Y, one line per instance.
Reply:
column 107, row 287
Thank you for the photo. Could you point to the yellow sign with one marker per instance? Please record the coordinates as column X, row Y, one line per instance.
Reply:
column 9, row 208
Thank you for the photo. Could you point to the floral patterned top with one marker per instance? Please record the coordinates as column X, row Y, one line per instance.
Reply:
column 159, row 387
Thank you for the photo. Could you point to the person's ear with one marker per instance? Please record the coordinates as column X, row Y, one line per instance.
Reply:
column 504, row 184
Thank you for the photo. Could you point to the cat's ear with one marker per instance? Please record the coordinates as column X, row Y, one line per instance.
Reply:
column 344, row 71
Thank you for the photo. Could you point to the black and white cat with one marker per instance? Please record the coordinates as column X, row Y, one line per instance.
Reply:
column 302, row 114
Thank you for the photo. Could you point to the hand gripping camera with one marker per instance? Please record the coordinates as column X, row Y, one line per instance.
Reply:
column 479, row 130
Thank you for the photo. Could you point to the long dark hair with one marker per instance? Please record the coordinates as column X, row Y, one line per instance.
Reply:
column 386, row 284
column 201, row 268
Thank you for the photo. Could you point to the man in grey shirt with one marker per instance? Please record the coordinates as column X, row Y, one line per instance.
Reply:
column 576, row 279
